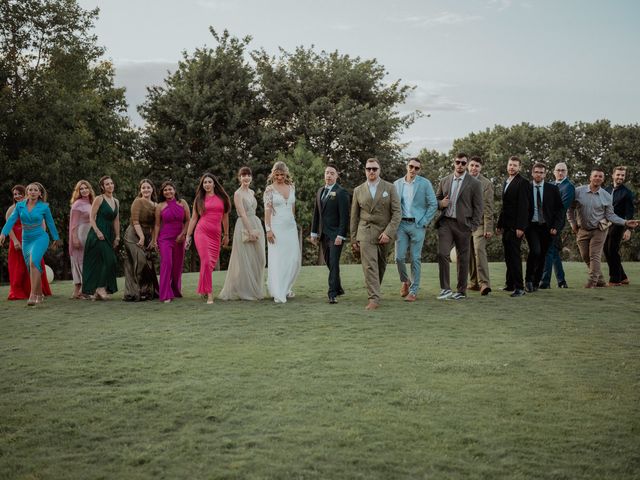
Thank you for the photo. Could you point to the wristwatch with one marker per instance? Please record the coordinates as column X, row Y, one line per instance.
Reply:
column 267, row 228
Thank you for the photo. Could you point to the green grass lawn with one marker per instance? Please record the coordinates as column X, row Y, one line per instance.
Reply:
column 544, row 386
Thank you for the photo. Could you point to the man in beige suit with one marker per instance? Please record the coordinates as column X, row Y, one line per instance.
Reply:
column 375, row 217
column 478, row 264
column 460, row 201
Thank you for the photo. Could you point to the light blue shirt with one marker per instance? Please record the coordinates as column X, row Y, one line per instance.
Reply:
column 535, row 200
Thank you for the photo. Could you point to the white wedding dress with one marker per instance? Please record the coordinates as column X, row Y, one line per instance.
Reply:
column 283, row 256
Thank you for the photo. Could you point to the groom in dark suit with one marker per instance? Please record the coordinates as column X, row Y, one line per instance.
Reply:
column 330, row 225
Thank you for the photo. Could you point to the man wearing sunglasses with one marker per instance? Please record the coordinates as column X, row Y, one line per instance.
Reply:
column 375, row 216
column 460, row 201
column 419, row 205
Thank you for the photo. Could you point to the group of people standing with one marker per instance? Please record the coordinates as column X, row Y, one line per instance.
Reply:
column 377, row 216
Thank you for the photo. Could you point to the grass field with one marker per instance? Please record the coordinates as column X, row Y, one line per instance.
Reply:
column 546, row 386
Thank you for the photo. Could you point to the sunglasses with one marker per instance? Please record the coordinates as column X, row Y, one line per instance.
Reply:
column 371, row 169
column 461, row 162
column 414, row 167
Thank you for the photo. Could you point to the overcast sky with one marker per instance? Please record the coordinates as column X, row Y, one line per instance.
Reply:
column 476, row 63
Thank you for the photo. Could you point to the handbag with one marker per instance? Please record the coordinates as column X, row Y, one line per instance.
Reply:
column 604, row 224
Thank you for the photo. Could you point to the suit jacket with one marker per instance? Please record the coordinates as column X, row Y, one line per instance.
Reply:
column 552, row 207
column 515, row 205
column 468, row 201
column 331, row 217
column 622, row 201
column 487, row 207
column 568, row 194
column 424, row 205
column 372, row 216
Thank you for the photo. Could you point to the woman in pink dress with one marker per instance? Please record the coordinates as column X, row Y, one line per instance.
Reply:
column 210, row 209
column 79, row 225
column 172, row 218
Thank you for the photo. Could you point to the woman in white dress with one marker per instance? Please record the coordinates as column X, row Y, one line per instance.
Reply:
column 282, row 233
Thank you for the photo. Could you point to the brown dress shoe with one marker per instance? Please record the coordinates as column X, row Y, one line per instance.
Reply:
column 475, row 288
column 371, row 306
column 410, row 298
column 404, row 289
column 485, row 290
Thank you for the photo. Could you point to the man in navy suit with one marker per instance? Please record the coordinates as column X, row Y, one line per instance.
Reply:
column 512, row 223
column 545, row 215
column 553, row 260
column 623, row 207
column 460, row 201
column 330, row 225
column 419, row 205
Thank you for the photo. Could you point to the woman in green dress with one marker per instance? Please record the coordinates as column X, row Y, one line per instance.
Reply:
column 99, row 263
column 140, row 281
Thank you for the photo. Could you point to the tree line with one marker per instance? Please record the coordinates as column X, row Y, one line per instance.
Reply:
column 63, row 119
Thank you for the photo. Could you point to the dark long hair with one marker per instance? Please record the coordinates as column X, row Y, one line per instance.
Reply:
column 218, row 190
column 168, row 183
column 21, row 188
column 153, row 188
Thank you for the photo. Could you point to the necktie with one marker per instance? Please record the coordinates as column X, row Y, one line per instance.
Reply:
column 539, row 204
column 325, row 194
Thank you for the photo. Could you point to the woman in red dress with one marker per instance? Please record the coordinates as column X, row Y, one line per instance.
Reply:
column 19, row 283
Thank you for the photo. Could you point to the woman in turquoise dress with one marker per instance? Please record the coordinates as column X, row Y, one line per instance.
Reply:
column 33, row 213
column 100, row 262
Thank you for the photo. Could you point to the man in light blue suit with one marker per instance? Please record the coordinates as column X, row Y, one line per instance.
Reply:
column 419, row 205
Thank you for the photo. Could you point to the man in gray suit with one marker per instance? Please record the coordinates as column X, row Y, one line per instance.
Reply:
column 375, row 216
column 460, row 201
column 419, row 205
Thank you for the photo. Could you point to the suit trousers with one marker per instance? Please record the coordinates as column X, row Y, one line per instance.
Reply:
column 590, row 244
column 374, row 264
column 451, row 233
column 612, row 252
column 478, row 262
column 553, row 261
column 410, row 237
column 539, row 238
column 511, row 244
column 331, row 253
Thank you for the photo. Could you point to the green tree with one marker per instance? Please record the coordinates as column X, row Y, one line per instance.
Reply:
column 61, row 118
column 340, row 105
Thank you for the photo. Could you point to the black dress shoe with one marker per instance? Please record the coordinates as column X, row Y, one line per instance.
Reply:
column 518, row 293
column 333, row 300
column 563, row 284
column 544, row 286
column 529, row 287
column 508, row 289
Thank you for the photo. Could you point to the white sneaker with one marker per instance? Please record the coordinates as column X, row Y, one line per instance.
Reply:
column 444, row 294
column 458, row 296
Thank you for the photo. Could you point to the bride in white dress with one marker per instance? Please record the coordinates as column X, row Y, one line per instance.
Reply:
column 282, row 233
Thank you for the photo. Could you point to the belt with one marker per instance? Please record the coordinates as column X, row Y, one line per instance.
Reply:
column 30, row 226
column 410, row 220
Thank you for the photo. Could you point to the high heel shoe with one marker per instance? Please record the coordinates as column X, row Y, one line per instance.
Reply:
column 39, row 299
column 33, row 299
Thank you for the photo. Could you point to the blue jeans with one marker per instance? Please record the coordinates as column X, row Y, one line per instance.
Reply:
column 552, row 261
column 411, row 237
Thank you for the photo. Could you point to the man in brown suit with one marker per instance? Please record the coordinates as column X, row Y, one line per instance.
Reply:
column 460, row 201
column 375, row 217
column 478, row 263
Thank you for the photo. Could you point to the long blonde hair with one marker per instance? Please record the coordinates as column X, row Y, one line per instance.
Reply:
column 280, row 166
column 76, row 191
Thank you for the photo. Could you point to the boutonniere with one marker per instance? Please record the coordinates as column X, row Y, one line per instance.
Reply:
column 385, row 194
column 332, row 194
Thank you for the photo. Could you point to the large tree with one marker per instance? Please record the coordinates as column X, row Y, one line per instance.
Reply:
column 342, row 106
column 61, row 118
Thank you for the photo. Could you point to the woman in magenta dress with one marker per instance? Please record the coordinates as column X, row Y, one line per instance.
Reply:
column 19, row 283
column 210, row 209
column 79, row 225
column 172, row 219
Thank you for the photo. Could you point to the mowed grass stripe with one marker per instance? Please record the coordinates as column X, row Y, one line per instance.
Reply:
column 545, row 386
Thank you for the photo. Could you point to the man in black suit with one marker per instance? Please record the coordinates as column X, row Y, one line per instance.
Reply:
column 512, row 223
column 623, row 207
column 330, row 225
column 545, row 215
